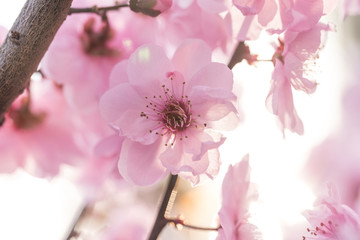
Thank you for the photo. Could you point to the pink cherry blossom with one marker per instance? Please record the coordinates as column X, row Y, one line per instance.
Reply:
column 336, row 159
column 237, row 194
column 249, row 7
column 132, row 222
column 214, row 6
column 84, row 51
column 191, row 21
column 331, row 220
column 169, row 111
column 294, row 66
column 101, row 168
column 250, row 17
column 39, row 135
column 280, row 101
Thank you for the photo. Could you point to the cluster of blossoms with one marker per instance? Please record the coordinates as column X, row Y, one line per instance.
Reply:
column 135, row 96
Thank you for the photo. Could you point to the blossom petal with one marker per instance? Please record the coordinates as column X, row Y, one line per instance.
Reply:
column 191, row 56
column 140, row 163
column 118, row 74
column 213, row 75
column 280, row 101
column 109, row 146
column 147, row 66
column 213, row 6
column 121, row 106
column 249, row 7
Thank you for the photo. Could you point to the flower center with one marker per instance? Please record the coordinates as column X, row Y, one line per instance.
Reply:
column 324, row 230
column 23, row 118
column 171, row 110
column 176, row 116
column 95, row 42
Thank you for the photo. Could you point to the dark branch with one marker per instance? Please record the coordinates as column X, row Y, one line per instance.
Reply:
column 161, row 221
column 26, row 44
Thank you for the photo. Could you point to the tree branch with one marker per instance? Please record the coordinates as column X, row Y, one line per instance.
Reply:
column 26, row 44
column 161, row 221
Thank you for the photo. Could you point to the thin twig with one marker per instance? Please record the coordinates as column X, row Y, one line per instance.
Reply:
column 72, row 232
column 97, row 10
column 161, row 221
column 177, row 221
column 241, row 52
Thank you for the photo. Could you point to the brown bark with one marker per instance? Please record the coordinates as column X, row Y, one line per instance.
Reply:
column 25, row 45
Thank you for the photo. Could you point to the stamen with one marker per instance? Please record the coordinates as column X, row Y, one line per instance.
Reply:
column 171, row 112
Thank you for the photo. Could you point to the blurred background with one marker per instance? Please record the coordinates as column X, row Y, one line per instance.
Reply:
column 289, row 172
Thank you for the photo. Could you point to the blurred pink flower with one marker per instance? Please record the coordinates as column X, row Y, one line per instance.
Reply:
column 189, row 20
column 237, row 194
column 280, row 101
column 168, row 111
column 3, row 32
column 332, row 220
column 337, row 158
column 84, row 51
column 132, row 222
column 350, row 7
column 294, row 63
column 101, row 168
column 249, row 17
column 39, row 135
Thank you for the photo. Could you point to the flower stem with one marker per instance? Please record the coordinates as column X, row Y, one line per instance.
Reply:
column 161, row 221
column 180, row 222
column 81, row 216
column 241, row 52
column 97, row 10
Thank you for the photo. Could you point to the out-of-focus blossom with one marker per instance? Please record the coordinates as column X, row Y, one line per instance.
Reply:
column 351, row 7
column 280, row 101
column 331, row 220
column 101, row 168
column 337, row 158
column 237, row 194
column 39, row 135
column 84, row 51
column 249, row 18
column 3, row 32
column 132, row 222
column 190, row 21
column 168, row 111
column 294, row 67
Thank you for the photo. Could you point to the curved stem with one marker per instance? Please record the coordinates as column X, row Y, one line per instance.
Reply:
column 161, row 221
column 178, row 221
